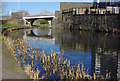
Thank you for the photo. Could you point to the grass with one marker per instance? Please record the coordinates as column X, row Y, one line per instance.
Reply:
column 15, row 67
column 41, row 24
column 5, row 25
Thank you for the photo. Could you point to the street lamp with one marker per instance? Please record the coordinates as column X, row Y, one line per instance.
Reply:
column 18, row 5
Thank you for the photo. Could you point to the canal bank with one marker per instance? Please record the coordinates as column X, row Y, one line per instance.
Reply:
column 10, row 68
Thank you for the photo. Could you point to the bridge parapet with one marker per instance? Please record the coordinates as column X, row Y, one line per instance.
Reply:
column 29, row 20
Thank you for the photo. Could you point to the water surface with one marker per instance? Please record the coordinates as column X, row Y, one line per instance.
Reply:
column 99, row 52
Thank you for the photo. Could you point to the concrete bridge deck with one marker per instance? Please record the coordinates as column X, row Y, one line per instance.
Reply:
column 30, row 19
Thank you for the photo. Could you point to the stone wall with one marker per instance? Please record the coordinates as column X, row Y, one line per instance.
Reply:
column 67, row 5
column 58, row 21
column 91, row 22
column 17, row 15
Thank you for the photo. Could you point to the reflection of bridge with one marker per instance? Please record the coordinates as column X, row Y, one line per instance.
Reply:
column 29, row 20
column 29, row 34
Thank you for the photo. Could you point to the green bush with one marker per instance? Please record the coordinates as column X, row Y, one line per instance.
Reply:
column 44, row 22
column 5, row 25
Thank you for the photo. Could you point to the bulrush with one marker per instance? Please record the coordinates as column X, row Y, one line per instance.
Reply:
column 51, row 53
column 77, row 75
column 51, row 63
column 29, row 56
column 64, row 62
column 107, row 76
column 66, row 74
column 62, row 71
column 94, row 76
column 72, row 72
column 32, row 57
column 68, row 65
column 19, row 63
column 48, row 59
column 31, row 75
column 54, row 55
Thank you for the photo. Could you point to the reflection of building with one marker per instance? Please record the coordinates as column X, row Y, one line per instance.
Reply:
column 104, row 54
column 105, row 62
column 118, row 69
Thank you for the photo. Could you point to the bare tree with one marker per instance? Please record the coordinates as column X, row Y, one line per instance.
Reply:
column 25, row 13
column 45, row 13
column 2, row 6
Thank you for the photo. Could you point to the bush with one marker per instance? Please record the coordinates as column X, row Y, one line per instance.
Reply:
column 87, row 10
column 44, row 22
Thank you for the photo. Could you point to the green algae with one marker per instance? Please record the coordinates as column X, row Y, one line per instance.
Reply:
column 14, row 68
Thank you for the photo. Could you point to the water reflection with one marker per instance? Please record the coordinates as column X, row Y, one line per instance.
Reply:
column 100, row 49
column 97, row 51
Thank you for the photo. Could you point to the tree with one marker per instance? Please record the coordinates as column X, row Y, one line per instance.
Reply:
column 41, row 21
column 2, row 7
column 87, row 10
column 45, row 13
column 24, row 12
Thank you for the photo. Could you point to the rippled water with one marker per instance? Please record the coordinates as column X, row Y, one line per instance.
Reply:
column 99, row 52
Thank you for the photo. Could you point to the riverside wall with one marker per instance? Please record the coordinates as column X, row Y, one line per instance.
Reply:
column 94, row 22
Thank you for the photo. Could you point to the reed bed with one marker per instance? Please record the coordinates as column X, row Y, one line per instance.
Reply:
column 52, row 65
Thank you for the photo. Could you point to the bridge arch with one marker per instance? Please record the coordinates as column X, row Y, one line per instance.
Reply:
column 30, row 20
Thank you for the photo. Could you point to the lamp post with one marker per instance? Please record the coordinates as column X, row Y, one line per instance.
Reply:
column 18, row 5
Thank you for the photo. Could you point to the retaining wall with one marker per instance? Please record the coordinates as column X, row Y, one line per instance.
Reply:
column 91, row 22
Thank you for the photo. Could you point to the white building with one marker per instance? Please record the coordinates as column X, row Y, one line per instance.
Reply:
column 104, row 3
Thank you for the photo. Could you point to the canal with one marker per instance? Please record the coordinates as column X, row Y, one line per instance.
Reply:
column 99, row 52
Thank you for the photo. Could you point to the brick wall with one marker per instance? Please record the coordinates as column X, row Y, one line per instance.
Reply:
column 67, row 5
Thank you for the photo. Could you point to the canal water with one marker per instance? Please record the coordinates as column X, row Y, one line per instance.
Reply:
column 99, row 52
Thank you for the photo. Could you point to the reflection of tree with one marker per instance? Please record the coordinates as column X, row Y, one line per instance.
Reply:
column 16, row 34
column 86, row 41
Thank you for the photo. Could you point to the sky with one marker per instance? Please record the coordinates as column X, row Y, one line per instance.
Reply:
column 33, row 7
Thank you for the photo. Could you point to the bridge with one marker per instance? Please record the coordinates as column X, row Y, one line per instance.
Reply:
column 29, row 20
column 30, row 35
